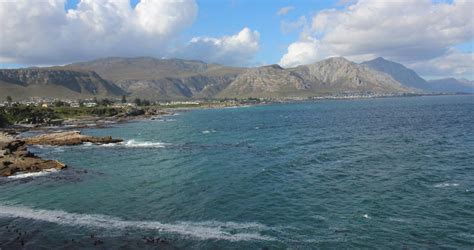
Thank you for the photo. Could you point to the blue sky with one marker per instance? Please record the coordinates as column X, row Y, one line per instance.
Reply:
column 434, row 37
column 220, row 17
column 217, row 18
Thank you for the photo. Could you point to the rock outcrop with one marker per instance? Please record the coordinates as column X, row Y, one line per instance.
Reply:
column 15, row 158
column 69, row 138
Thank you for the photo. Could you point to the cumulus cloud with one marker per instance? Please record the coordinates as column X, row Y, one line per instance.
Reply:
column 302, row 52
column 237, row 49
column 408, row 31
column 42, row 32
column 283, row 11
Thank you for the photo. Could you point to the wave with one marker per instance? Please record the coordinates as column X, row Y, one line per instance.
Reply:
column 137, row 144
column 200, row 230
column 35, row 174
column 208, row 131
column 442, row 185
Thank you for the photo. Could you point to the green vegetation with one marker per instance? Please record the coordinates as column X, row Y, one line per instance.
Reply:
column 69, row 112
column 142, row 103
column 22, row 114
column 27, row 114
column 60, row 110
column 3, row 120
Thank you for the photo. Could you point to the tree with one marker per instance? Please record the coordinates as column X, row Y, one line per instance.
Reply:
column 124, row 99
column 146, row 103
column 138, row 101
column 60, row 104
column 105, row 102
column 9, row 100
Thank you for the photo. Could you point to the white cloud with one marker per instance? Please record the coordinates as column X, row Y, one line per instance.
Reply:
column 403, row 30
column 454, row 63
column 165, row 17
column 42, row 32
column 302, row 52
column 237, row 49
column 284, row 10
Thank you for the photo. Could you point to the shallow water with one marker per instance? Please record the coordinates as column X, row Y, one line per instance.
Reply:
column 390, row 172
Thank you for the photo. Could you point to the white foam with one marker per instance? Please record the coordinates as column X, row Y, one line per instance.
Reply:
column 137, row 144
column 199, row 230
column 208, row 131
column 442, row 185
column 22, row 175
column 367, row 216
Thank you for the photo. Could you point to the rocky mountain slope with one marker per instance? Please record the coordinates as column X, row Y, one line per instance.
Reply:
column 331, row 76
column 54, row 82
column 398, row 72
column 163, row 79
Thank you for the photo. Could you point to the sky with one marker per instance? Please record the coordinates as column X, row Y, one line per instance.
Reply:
column 433, row 37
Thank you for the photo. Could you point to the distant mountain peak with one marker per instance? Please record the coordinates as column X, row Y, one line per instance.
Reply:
column 380, row 59
column 397, row 71
column 338, row 59
column 273, row 66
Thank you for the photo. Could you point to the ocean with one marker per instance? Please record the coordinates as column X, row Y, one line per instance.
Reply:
column 364, row 173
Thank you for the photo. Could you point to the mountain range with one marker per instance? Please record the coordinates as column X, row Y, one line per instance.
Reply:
column 176, row 79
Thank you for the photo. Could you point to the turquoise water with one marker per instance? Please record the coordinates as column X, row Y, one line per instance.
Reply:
column 393, row 172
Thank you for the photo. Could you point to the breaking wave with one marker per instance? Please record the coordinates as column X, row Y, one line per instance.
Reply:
column 35, row 174
column 137, row 144
column 230, row 231
column 442, row 185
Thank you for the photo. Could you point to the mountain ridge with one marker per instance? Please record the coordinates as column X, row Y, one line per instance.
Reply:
column 332, row 75
column 178, row 79
column 55, row 82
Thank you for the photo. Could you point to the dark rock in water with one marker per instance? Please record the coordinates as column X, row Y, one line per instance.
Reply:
column 98, row 242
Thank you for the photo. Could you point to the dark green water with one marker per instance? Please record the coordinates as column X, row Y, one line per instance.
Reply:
column 382, row 173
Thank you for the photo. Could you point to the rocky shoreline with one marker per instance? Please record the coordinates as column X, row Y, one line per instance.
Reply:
column 15, row 157
column 69, row 138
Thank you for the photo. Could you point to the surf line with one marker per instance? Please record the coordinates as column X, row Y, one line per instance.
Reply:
column 200, row 230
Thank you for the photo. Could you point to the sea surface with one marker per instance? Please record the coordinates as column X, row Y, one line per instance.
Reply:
column 369, row 173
